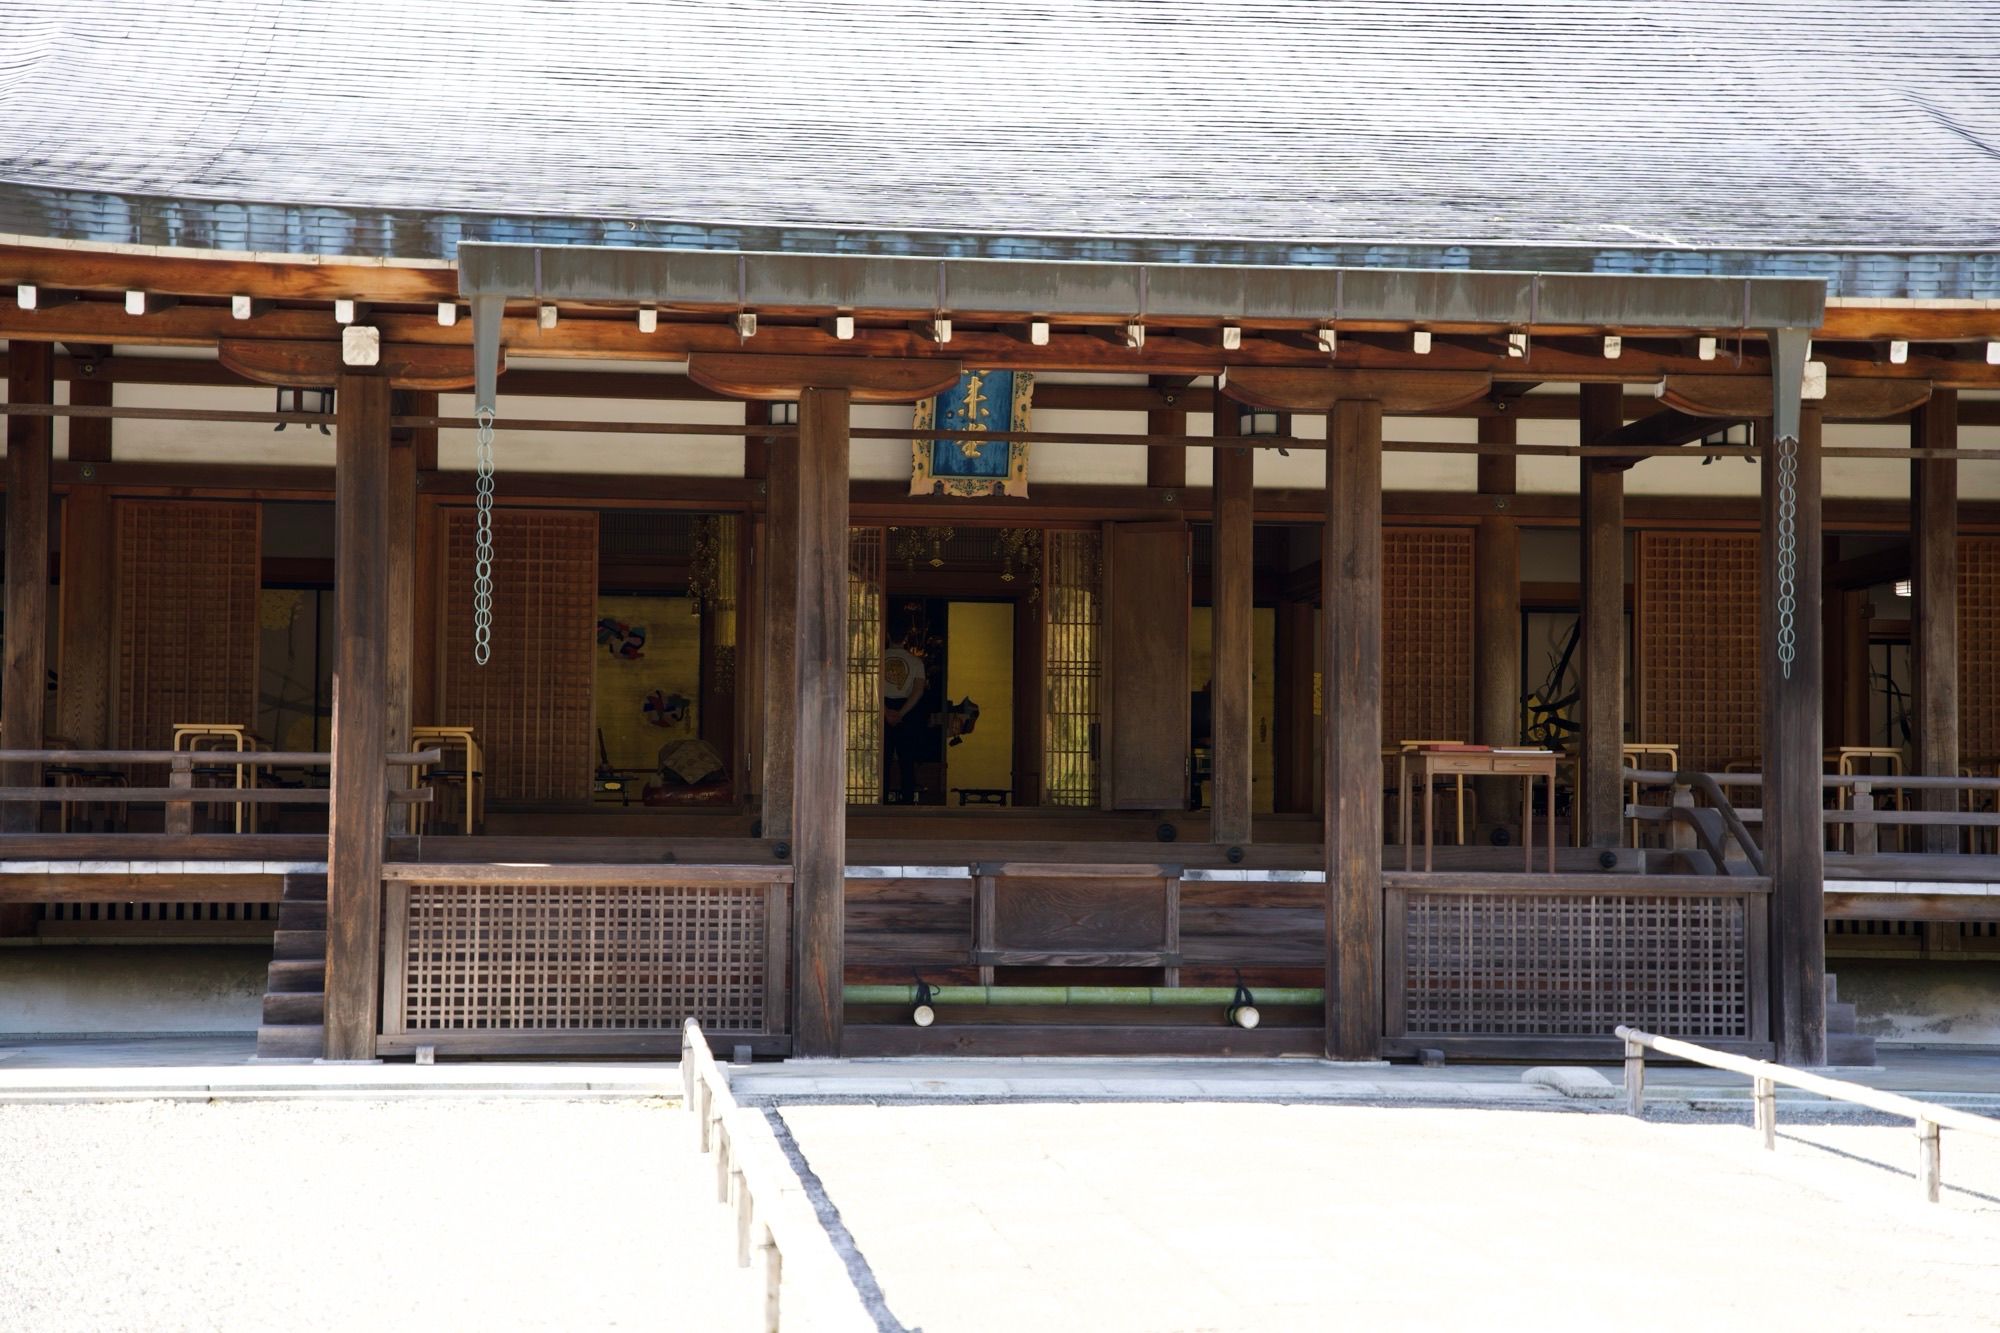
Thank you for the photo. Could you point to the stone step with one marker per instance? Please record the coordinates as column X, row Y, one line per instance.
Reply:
column 295, row 975
column 1832, row 989
column 291, row 1041
column 298, row 945
column 287, row 1007
column 1840, row 1018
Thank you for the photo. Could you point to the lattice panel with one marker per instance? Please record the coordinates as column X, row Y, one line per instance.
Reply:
column 1426, row 634
column 1569, row 965
column 1700, row 683
column 1979, row 652
column 1073, row 584
column 596, row 958
column 532, row 703
column 867, row 553
column 188, row 574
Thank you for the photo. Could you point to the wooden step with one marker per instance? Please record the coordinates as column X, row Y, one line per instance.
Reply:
column 287, row 1007
column 298, row 945
column 291, row 1041
column 1840, row 1018
column 300, row 915
column 305, row 888
column 295, row 975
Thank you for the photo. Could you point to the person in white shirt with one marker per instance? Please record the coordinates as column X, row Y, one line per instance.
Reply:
column 904, row 723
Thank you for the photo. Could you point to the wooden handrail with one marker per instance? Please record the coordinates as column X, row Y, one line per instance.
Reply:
column 206, row 758
column 1930, row 1118
column 199, row 795
column 582, row 873
column 1918, row 782
column 774, row 1216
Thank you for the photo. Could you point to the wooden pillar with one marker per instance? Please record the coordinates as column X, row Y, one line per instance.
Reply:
column 1496, row 622
column 1231, row 709
column 1293, row 743
column 780, row 636
column 819, row 796
column 357, row 819
column 401, row 632
column 88, row 588
column 1351, row 593
column 24, row 671
column 1790, row 579
column 1934, row 611
column 1166, row 464
column 1602, row 411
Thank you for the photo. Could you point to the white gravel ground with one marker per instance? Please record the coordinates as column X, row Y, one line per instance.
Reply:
column 429, row 1215
column 1152, row 1217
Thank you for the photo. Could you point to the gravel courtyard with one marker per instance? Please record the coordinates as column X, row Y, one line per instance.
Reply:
column 1266, row 1217
column 435, row 1215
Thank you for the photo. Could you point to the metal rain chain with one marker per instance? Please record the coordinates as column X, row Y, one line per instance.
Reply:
column 482, row 566
column 1788, row 550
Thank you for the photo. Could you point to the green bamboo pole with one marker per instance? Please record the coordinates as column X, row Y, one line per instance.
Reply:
column 1150, row 996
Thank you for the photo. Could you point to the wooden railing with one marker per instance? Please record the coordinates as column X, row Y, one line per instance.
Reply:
column 1857, row 813
column 775, row 1217
column 180, row 795
column 1931, row 1119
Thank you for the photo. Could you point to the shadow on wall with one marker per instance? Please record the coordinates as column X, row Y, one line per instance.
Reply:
column 1933, row 1003
column 64, row 990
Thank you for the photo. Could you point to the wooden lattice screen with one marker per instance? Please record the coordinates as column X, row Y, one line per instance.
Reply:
column 549, row 959
column 1979, row 652
column 1426, row 634
column 1700, row 685
column 187, row 618
column 532, row 703
column 1073, row 604
column 867, row 556
column 1577, row 964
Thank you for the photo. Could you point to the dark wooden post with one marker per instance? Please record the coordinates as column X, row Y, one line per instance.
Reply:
column 1351, row 593
column 358, row 816
column 1496, row 621
column 1166, row 464
column 24, row 672
column 401, row 632
column 1230, row 707
column 1602, row 411
column 780, row 637
column 1293, row 748
column 819, row 796
column 1792, row 654
column 89, row 568
column 1934, row 613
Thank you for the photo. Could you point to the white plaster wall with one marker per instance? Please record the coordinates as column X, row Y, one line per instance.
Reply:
column 104, row 989
column 580, row 453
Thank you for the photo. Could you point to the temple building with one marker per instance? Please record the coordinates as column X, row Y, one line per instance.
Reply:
column 1301, row 528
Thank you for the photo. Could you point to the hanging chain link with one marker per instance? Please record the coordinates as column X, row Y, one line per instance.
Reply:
column 1788, row 551
column 482, row 568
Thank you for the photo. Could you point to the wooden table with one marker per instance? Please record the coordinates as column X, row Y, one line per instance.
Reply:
column 1429, row 765
column 465, row 739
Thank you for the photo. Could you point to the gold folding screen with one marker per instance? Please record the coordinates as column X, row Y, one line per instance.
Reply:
column 1700, row 682
column 531, row 704
column 187, row 617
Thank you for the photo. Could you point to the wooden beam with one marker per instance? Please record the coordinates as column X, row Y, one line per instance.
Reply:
column 1934, row 610
column 1496, row 627
column 1317, row 390
column 866, row 379
column 117, row 271
column 1603, row 550
column 819, row 798
column 1351, row 593
column 1793, row 830
column 1231, row 710
column 318, row 365
column 1166, row 464
column 1738, row 398
column 24, row 669
column 356, row 824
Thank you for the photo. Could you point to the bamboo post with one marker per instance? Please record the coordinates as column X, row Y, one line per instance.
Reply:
column 1862, row 833
column 1765, row 1094
column 180, row 814
column 774, row 1278
column 1930, row 1164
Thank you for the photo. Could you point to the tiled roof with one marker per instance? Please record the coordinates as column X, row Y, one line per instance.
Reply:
column 1510, row 126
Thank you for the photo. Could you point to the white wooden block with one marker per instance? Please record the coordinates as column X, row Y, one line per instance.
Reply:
column 1329, row 340
column 1517, row 345
column 746, row 325
column 135, row 303
column 1899, row 352
column 546, row 316
column 25, row 295
column 1993, row 353
column 843, row 328
column 343, row 312
column 1815, row 380
column 1705, row 349
column 1038, row 332
column 1135, row 336
column 1614, row 347
column 1420, row 342
column 447, row 313
column 649, row 319
column 361, row 345
column 1232, row 338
